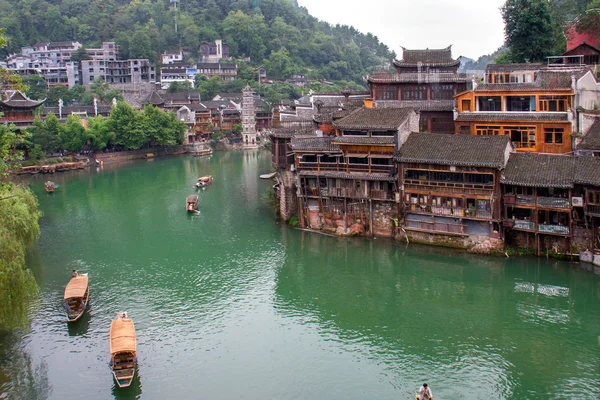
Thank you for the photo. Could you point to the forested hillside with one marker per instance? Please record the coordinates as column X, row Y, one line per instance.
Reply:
column 277, row 34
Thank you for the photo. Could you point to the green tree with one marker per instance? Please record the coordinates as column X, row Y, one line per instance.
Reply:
column 208, row 88
column 162, row 128
column 72, row 134
column 98, row 133
column 280, row 64
column 37, row 88
column 46, row 133
column 127, row 127
column 80, row 54
column 528, row 29
column 19, row 227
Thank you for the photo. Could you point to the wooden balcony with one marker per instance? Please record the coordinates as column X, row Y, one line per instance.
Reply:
column 448, row 187
column 469, row 213
column 382, row 195
column 435, row 227
column 593, row 209
column 553, row 229
column 524, row 225
column 524, row 200
column 553, row 202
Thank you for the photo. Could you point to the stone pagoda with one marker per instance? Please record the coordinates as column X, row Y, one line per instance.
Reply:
column 248, row 118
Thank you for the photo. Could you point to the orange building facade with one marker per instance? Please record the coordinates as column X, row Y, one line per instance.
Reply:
column 532, row 105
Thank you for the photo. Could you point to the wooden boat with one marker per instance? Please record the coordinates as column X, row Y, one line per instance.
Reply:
column 191, row 203
column 123, row 349
column 268, row 176
column 76, row 297
column 49, row 186
column 204, row 181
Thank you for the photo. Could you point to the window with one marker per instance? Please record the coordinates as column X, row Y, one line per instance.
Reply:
column 553, row 135
column 466, row 105
column 493, row 103
column 517, row 103
column 487, row 130
column 442, row 92
column 91, row 78
column 554, row 103
column 522, row 137
column 90, row 69
column 594, row 197
column 358, row 160
column 387, row 93
column 414, row 92
column 464, row 129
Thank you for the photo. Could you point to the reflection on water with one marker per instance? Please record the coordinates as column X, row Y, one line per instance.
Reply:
column 81, row 326
column 134, row 391
column 228, row 295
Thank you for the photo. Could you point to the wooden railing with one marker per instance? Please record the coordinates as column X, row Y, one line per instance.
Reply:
column 525, row 200
column 553, row 229
column 435, row 226
column 453, row 188
column 553, row 202
column 593, row 209
column 524, row 225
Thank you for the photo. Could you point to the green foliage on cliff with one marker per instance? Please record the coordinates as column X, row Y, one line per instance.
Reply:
column 18, row 227
column 276, row 34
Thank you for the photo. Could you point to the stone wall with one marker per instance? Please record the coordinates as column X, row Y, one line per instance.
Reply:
column 384, row 214
column 288, row 202
column 472, row 244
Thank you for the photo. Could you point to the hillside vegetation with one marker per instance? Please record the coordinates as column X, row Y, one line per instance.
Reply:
column 277, row 34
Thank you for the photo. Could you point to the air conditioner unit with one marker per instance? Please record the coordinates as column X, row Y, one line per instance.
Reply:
column 577, row 201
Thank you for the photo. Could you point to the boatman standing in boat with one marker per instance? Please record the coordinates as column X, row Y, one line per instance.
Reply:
column 425, row 393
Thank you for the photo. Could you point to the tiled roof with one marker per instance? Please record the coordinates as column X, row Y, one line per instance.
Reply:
column 155, row 99
column 539, row 170
column 552, row 171
column 418, row 105
column 374, row 119
column 215, row 104
column 216, row 65
column 18, row 100
column 67, row 110
column 462, row 150
column 591, row 140
column 427, row 57
column 485, row 116
column 284, row 133
column 418, row 78
column 380, row 140
column 545, row 80
column 345, row 175
column 587, row 171
column 514, row 67
column 324, row 144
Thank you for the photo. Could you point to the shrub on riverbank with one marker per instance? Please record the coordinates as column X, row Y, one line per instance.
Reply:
column 19, row 227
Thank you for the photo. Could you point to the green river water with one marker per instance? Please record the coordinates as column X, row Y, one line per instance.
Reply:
column 229, row 304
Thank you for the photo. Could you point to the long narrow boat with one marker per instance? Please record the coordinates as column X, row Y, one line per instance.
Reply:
column 191, row 203
column 123, row 349
column 76, row 297
column 204, row 181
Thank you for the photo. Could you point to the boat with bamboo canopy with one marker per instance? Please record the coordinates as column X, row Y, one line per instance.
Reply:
column 123, row 349
column 76, row 297
column 49, row 185
column 191, row 203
